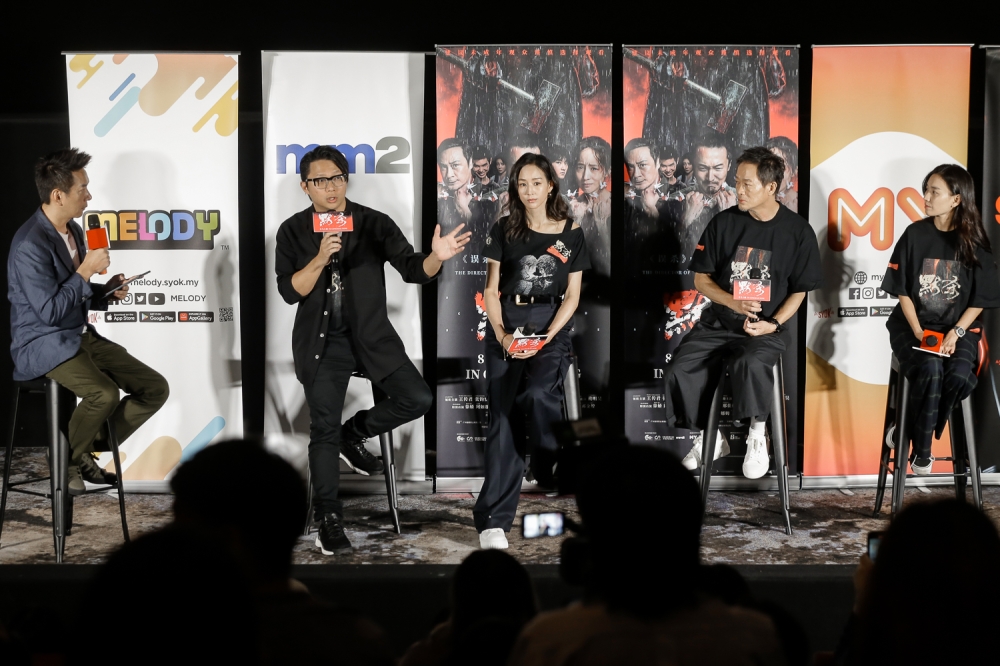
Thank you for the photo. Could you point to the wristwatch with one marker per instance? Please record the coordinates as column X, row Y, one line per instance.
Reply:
column 778, row 327
column 959, row 331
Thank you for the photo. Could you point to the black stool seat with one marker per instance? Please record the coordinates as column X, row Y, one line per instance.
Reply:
column 388, row 462
column 965, row 463
column 779, row 441
column 58, row 445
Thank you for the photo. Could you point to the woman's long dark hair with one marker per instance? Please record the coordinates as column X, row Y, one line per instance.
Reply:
column 965, row 218
column 555, row 208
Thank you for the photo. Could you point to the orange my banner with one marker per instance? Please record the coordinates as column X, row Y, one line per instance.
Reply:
column 882, row 117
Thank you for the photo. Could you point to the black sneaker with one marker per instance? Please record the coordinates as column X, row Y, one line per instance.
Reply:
column 331, row 538
column 354, row 453
column 76, row 486
column 92, row 472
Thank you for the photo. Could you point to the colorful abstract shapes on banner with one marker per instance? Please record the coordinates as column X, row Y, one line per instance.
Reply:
column 495, row 103
column 689, row 111
column 160, row 81
column 882, row 118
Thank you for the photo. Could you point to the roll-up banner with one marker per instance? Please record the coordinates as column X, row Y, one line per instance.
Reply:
column 882, row 118
column 689, row 111
column 162, row 130
column 495, row 103
column 379, row 130
column 987, row 395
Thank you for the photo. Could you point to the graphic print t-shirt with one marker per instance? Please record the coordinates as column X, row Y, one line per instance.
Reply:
column 537, row 264
column 925, row 267
column 736, row 246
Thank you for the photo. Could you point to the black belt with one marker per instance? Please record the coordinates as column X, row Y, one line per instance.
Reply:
column 520, row 299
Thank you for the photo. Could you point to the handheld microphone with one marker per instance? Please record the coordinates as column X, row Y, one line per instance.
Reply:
column 97, row 235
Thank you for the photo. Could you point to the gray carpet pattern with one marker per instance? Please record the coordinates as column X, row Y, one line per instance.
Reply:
column 830, row 527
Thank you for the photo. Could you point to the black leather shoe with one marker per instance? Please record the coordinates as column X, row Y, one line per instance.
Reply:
column 331, row 538
column 354, row 453
column 92, row 472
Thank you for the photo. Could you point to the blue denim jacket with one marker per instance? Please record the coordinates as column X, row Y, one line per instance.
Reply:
column 49, row 300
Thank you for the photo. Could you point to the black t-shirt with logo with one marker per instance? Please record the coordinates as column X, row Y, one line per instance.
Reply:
column 537, row 264
column 783, row 250
column 925, row 266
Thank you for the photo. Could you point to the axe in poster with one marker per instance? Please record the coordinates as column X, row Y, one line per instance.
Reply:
column 689, row 111
column 495, row 103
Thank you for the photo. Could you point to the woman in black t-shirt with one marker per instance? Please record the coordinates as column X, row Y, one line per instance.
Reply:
column 535, row 258
column 943, row 272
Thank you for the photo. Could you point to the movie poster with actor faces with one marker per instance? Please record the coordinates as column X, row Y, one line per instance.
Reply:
column 495, row 103
column 689, row 111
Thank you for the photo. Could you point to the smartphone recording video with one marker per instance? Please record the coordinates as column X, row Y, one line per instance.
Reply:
column 874, row 539
column 535, row 525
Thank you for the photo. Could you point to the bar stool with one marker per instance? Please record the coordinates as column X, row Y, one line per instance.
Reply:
column 58, row 445
column 388, row 461
column 779, row 443
column 963, row 457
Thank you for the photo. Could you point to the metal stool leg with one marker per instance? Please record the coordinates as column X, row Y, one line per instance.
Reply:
column 780, row 442
column 15, row 398
column 59, row 454
column 969, row 423
column 708, row 443
column 958, row 459
column 389, row 462
column 902, row 442
column 883, row 468
column 309, row 505
column 120, row 484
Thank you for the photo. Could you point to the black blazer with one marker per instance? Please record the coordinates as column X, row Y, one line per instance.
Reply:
column 375, row 240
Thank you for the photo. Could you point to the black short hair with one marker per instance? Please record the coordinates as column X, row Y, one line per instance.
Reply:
column 710, row 140
column 55, row 171
column 668, row 153
column 448, row 144
column 324, row 153
column 637, row 143
column 480, row 153
column 787, row 148
column 524, row 139
column 770, row 167
column 557, row 153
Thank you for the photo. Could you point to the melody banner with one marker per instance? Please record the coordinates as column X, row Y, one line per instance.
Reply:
column 162, row 130
column 372, row 111
column 882, row 118
column 689, row 111
column 495, row 103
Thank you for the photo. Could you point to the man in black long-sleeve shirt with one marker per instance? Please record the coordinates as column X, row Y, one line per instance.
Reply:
column 342, row 325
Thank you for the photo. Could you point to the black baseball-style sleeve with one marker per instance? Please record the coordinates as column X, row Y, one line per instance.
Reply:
column 899, row 275
column 580, row 259
column 706, row 256
column 400, row 253
column 807, row 270
column 985, row 283
column 286, row 261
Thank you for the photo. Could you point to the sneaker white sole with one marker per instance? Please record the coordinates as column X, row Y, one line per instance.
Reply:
column 330, row 552
column 493, row 541
column 357, row 470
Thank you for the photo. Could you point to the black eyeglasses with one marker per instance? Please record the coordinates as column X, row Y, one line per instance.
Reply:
column 323, row 183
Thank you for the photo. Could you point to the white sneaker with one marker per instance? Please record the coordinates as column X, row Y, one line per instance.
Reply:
column 922, row 470
column 756, row 462
column 692, row 460
column 493, row 538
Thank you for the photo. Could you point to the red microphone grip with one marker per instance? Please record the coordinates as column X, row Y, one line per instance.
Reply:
column 96, row 239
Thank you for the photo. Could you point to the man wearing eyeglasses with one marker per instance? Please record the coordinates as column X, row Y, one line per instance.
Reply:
column 342, row 325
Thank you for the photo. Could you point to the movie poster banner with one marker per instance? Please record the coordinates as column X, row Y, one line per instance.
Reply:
column 495, row 103
column 689, row 111
column 162, row 130
column 379, row 130
column 882, row 118
column 987, row 402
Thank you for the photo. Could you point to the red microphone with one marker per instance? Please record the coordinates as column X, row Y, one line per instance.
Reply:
column 97, row 236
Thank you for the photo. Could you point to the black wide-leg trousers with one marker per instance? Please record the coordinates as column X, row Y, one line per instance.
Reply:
column 525, row 398
column 697, row 365
column 399, row 398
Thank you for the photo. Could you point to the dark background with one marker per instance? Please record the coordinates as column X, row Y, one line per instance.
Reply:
column 34, row 120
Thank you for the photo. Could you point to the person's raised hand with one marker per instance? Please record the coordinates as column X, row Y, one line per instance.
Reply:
column 96, row 261
column 694, row 205
column 447, row 246
column 331, row 243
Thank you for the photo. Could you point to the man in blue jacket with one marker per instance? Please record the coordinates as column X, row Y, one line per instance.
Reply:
column 49, row 287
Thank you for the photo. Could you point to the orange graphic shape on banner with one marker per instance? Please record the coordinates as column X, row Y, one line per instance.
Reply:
column 227, row 109
column 846, row 218
column 911, row 202
column 846, row 417
column 175, row 73
column 156, row 461
column 83, row 63
column 861, row 90
column 110, row 467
